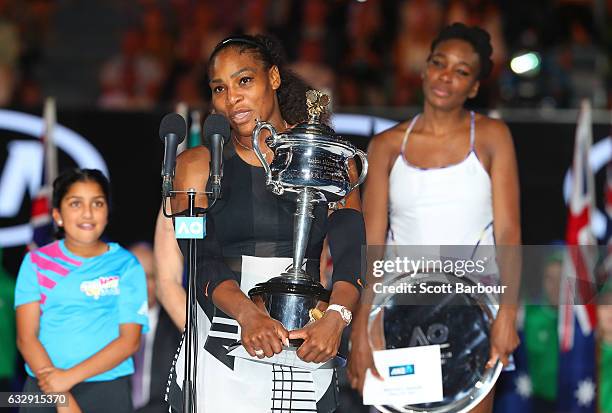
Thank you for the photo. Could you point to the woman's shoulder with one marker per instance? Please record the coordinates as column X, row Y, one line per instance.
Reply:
column 492, row 131
column 192, row 155
column 391, row 139
column 495, row 127
column 192, row 167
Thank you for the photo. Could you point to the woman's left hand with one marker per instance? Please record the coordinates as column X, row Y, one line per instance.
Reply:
column 504, row 338
column 54, row 380
column 321, row 338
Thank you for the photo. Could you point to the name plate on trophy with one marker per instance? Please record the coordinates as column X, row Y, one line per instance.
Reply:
column 411, row 375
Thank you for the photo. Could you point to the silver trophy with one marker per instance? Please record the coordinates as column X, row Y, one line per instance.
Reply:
column 311, row 165
column 459, row 323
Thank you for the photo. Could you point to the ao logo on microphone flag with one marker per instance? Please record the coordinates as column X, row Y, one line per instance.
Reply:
column 190, row 227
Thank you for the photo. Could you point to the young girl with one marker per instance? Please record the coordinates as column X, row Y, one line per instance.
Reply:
column 81, row 304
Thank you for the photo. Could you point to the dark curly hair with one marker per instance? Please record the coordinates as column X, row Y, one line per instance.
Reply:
column 477, row 37
column 268, row 50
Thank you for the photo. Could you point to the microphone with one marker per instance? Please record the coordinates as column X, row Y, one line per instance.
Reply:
column 172, row 131
column 216, row 134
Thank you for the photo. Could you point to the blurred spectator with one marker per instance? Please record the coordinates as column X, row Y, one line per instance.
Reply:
column 362, row 77
column 585, row 64
column 34, row 19
column 541, row 341
column 368, row 53
column 9, row 36
column 8, row 354
column 604, row 319
column 156, row 40
column 485, row 14
column 28, row 94
column 82, row 35
column 195, row 42
column 312, row 47
column 132, row 79
column 419, row 22
column 7, row 84
column 254, row 17
column 9, row 52
column 188, row 89
column 311, row 67
column 153, row 359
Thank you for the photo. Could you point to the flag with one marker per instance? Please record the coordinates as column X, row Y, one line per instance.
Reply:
column 40, row 220
column 577, row 374
column 514, row 390
column 576, row 381
column 195, row 131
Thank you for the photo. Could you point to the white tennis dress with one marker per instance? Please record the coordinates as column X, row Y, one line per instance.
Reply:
column 451, row 205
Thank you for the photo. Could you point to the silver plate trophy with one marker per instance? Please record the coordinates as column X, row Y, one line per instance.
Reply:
column 459, row 323
column 311, row 165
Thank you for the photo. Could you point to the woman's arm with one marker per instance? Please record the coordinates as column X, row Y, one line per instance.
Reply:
column 353, row 199
column 169, row 271
column 30, row 347
column 375, row 213
column 381, row 154
column 258, row 330
column 507, row 229
column 191, row 172
column 71, row 406
column 59, row 380
column 33, row 352
column 322, row 337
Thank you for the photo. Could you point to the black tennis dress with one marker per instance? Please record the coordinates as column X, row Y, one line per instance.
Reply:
column 249, row 239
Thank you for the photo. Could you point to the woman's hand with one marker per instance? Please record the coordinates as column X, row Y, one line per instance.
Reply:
column 504, row 338
column 55, row 380
column 261, row 335
column 321, row 338
column 360, row 359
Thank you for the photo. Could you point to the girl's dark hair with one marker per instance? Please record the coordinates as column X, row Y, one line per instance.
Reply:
column 63, row 182
column 477, row 37
column 268, row 50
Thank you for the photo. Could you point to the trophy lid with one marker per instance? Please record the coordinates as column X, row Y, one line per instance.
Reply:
column 316, row 103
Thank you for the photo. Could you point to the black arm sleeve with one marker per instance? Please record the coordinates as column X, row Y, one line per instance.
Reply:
column 211, row 268
column 347, row 241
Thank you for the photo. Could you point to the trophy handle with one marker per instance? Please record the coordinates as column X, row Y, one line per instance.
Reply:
column 258, row 127
column 364, row 169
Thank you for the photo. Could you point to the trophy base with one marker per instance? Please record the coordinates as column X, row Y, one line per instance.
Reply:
column 289, row 298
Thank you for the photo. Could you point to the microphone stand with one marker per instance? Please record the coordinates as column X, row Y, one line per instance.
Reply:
column 191, row 327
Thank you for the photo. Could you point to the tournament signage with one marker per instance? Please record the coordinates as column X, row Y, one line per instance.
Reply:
column 22, row 172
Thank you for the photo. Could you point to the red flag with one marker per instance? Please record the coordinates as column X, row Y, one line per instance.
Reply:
column 578, row 279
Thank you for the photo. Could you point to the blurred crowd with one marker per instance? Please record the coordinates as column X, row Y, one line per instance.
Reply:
column 142, row 54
